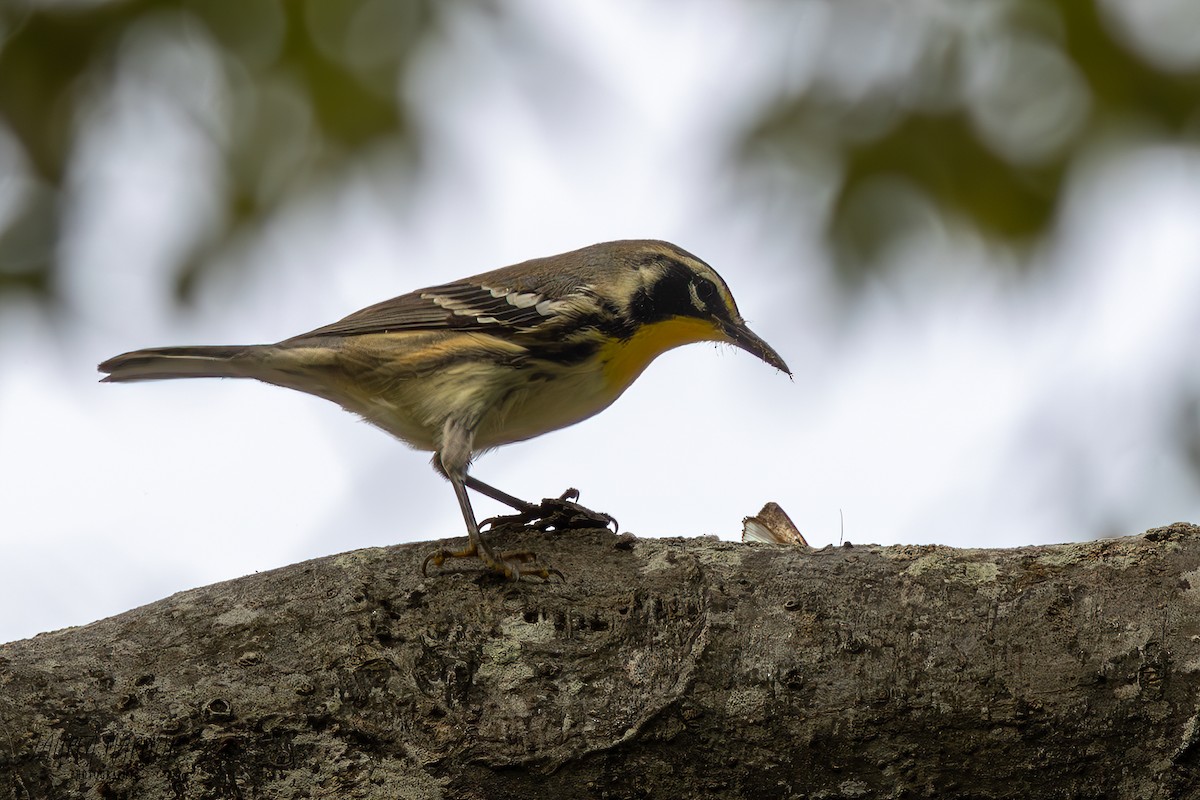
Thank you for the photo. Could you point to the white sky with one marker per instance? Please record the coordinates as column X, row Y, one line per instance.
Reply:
column 956, row 404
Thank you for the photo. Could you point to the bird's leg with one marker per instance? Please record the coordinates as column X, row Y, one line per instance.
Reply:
column 454, row 456
column 514, row 503
column 511, row 565
column 554, row 513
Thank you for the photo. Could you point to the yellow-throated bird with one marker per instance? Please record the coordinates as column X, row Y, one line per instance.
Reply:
column 492, row 359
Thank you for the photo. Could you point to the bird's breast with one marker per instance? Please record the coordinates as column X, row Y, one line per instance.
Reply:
column 542, row 400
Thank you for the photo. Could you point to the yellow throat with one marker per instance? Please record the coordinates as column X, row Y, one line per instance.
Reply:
column 625, row 360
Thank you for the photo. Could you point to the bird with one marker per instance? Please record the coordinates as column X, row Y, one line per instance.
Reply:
column 489, row 360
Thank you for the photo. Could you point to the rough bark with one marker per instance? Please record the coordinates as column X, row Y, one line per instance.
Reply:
column 660, row 668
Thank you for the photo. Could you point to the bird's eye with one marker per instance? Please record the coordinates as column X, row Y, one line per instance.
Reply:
column 706, row 292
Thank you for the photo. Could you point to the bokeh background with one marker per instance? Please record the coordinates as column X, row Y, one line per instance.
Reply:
column 972, row 229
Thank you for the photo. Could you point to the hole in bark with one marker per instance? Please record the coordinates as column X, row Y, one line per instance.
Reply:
column 219, row 708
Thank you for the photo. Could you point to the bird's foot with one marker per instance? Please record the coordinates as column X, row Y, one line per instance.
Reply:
column 512, row 565
column 555, row 513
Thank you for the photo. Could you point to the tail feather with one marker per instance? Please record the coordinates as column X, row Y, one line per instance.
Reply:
column 160, row 363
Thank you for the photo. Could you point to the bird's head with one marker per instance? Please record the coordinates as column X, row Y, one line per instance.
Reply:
column 669, row 297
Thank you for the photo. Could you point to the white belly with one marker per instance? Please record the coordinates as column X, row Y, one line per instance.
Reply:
column 510, row 405
column 535, row 406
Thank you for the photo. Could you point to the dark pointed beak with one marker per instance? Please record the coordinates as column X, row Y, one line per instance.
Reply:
column 746, row 339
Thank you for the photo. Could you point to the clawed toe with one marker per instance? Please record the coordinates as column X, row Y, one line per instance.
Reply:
column 555, row 514
column 552, row 514
column 439, row 556
column 525, row 562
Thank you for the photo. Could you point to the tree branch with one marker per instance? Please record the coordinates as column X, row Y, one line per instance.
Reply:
column 661, row 667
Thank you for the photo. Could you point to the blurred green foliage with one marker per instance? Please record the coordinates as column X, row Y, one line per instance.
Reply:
column 316, row 80
column 982, row 124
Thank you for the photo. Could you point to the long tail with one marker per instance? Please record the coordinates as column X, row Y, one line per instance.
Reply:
column 159, row 363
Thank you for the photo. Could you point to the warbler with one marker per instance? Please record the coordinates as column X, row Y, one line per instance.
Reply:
column 485, row 361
